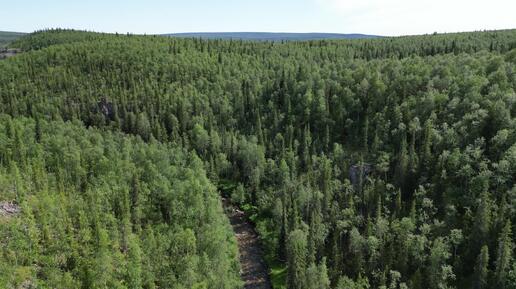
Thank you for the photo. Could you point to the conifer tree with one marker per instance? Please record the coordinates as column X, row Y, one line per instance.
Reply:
column 504, row 257
column 296, row 259
column 481, row 269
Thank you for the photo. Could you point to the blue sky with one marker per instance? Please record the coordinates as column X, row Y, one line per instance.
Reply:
column 382, row 17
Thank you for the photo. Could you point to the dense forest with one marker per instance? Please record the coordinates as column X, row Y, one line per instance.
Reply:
column 98, row 207
column 374, row 163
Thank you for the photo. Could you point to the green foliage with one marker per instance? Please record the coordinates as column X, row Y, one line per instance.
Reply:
column 79, row 190
column 8, row 37
column 296, row 251
column 238, row 195
column 481, row 270
column 430, row 117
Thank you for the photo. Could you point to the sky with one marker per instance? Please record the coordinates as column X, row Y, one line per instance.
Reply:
column 378, row 17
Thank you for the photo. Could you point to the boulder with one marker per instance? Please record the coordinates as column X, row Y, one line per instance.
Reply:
column 9, row 209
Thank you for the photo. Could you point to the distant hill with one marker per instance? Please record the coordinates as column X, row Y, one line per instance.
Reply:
column 6, row 37
column 269, row 36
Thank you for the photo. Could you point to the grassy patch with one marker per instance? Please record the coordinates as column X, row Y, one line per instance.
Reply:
column 278, row 274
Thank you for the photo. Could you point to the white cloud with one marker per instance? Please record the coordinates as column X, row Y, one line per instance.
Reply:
column 395, row 17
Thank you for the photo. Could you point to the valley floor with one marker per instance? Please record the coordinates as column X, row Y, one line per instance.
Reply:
column 253, row 268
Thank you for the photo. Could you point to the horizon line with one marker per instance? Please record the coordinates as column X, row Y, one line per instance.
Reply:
column 264, row 32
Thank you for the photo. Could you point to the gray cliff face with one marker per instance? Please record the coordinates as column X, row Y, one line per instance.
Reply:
column 358, row 173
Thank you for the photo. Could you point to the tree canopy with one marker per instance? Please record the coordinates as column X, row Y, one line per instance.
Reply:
column 378, row 163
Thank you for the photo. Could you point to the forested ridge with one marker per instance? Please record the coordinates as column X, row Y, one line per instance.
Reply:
column 104, row 210
column 379, row 163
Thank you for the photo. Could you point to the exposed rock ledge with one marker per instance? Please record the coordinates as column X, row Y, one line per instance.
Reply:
column 9, row 209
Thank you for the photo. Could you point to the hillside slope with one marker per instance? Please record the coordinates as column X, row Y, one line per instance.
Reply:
column 97, row 208
column 365, row 163
column 7, row 37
